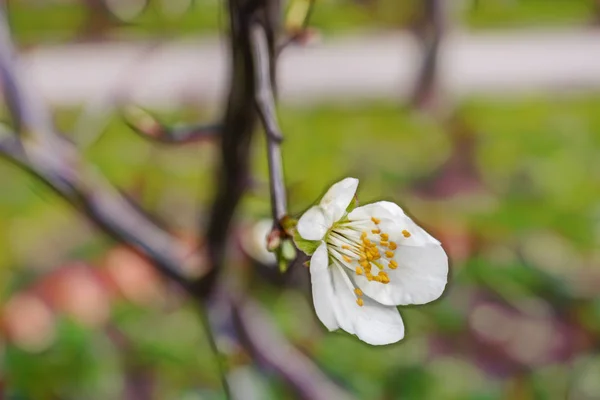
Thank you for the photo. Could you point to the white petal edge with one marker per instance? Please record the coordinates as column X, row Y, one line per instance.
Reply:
column 337, row 199
column 420, row 278
column 394, row 221
column 313, row 224
column 373, row 323
column 254, row 242
column 322, row 288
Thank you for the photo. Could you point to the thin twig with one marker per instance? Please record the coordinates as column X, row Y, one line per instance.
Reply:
column 265, row 104
column 148, row 126
column 28, row 113
column 185, row 133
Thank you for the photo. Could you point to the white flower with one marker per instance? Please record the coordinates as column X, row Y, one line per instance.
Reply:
column 369, row 261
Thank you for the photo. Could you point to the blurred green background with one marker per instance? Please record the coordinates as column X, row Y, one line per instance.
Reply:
column 510, row 185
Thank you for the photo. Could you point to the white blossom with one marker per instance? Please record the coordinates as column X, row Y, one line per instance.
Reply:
column 367, row 262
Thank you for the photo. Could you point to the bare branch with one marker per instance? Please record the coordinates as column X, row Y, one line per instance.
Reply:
column 149, row 127
column 239, row 124
column 11, row 147
column 89, row 191
column 265, row 104
column 56, row 161
column 27, row 111
column 272, row 350
column 265, row 99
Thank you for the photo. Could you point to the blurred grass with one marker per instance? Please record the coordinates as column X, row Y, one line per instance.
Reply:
column 529, row 13
column 55, row 22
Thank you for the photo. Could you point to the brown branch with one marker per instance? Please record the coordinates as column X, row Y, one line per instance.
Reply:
column 265, row 104
column 45, row 153
column 149, row 127
column 239, row 123
column 273, row 351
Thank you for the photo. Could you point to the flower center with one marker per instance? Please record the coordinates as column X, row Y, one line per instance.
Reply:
column 364, row 247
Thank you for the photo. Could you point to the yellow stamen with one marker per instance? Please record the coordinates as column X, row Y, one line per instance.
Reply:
column 377, row 278
column 358, row 292
column 375, row 220
column 369, row 276
column 364, row 263
column 375, row 231
column 393, row 264
column 360, row 302
column 378, row 265
column 393, row 246
column 363, row 235
column 389, row 254
column 406, row 233
column 359, row 271
column 347, row 259
column 384, row 243
column 385, row 236
column 346, row 247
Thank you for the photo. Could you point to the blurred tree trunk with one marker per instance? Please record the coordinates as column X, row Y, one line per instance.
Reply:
column 98, row 20
column 597, row 12
column 430, row 28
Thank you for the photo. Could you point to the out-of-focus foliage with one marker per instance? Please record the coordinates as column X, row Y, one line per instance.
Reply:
column 55, row 20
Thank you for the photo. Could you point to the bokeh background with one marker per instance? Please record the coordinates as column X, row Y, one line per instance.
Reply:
column 498, row 159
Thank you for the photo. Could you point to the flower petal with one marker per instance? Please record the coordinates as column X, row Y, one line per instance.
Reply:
column 254, row 242
column 373, row 323
column 313, row 224
column 338, row 197
column 322, row 287
column 421, row 277
column 394, row 222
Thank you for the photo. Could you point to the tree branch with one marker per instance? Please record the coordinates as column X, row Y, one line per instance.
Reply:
column 265, row 104
column 238, row 126
column 149, row 127
column 56, row 161
column 272, row 350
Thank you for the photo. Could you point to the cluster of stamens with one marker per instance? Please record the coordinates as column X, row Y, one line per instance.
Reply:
column 372, row 254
